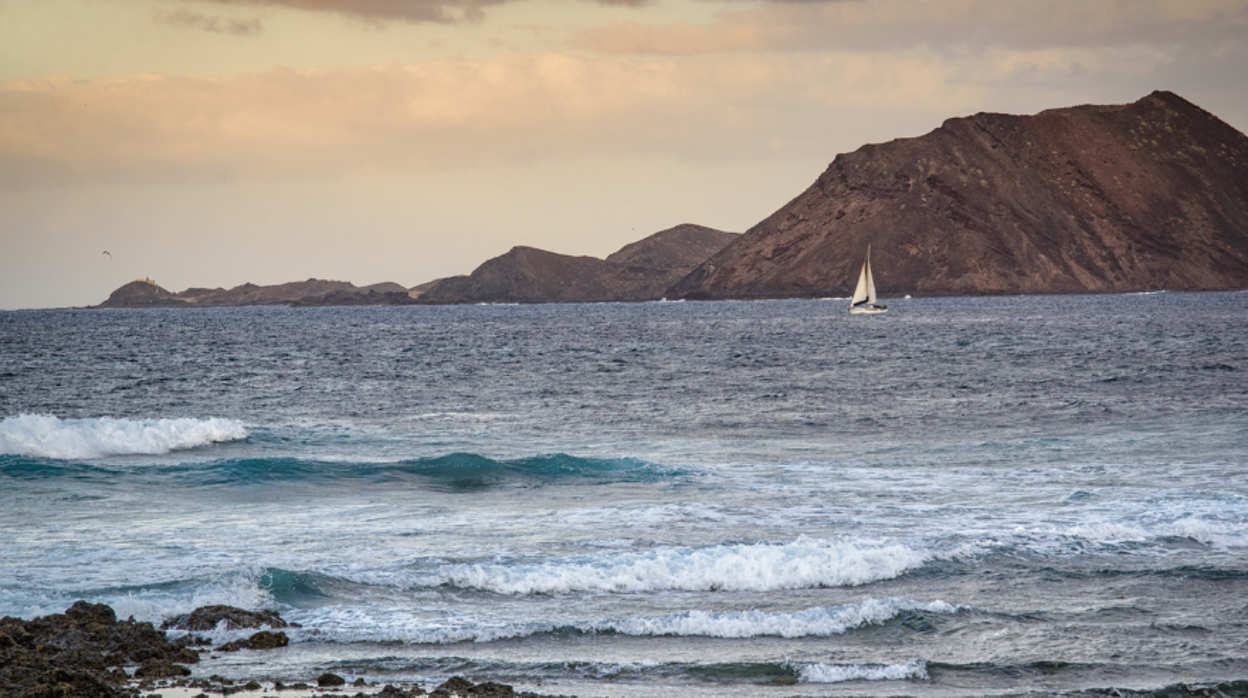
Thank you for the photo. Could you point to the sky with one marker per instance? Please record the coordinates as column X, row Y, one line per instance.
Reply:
column 210, row 143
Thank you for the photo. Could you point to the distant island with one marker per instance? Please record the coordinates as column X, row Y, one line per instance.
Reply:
column 1151, row 195
column 639, row 271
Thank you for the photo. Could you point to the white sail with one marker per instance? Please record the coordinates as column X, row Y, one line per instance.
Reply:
column 864, row 294
column 865, row 288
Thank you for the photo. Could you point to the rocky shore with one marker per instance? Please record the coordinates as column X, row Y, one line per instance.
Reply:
column 87, row 651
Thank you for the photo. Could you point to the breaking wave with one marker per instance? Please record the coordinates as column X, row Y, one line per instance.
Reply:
column 46, row 436
column 812, row 622
column 837, row 673
column 804, row 563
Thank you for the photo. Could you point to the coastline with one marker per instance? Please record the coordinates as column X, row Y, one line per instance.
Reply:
column 87, row 651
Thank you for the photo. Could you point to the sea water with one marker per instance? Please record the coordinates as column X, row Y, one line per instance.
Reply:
column 987, row 496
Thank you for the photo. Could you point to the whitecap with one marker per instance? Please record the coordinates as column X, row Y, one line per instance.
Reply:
column 47, row 436
column 801, row 564
column 837, row 673
column 812, row 622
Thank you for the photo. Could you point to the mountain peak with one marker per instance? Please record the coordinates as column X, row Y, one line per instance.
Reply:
column 1148, row 195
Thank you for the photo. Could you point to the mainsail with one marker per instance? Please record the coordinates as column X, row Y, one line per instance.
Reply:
column 864, row 294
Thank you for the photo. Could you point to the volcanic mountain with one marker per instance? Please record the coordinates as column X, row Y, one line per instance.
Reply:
column 639, row 271
column 1144, row 196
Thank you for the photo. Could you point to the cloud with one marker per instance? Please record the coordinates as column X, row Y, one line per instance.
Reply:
column 876, row 25
column 448, row 114
column 440, row 11
column 214, row 25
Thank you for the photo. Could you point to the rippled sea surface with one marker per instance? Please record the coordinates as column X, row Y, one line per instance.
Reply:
column 989, row 496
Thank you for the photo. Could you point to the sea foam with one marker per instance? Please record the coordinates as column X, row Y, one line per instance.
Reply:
column 804, row 563
column 811, row 622
column 46, row 436
column 837, row 673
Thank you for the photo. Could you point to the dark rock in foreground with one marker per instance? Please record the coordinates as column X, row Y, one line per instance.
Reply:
column 81, row 652
column 263, row 640
column 1145, row 196
column 328, row 680
column 206, row 618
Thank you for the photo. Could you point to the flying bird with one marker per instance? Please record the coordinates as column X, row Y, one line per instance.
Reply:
column 110, row 254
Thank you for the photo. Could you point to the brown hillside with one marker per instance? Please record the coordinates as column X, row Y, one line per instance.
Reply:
column 684, row 246
column 530, row 275
column 1150, row 195
column 642, row 270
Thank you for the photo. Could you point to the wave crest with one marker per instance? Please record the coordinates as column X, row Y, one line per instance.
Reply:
column 837, row 673
column 804, row 563
column 812, row 622
column 47, row 436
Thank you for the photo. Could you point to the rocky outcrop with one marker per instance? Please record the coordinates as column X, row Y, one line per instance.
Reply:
column 1145, row 196
column 81, row 653
column 141, row 293
column 84, row 652
column 263, row 640
column 207, row 618
column 640, row 271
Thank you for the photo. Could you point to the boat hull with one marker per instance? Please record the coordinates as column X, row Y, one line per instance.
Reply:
column 868, row 310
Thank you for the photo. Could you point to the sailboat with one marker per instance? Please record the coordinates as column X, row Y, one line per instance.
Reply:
column 864, row 295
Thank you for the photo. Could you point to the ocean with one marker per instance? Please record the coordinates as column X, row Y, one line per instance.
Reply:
column 964, row 496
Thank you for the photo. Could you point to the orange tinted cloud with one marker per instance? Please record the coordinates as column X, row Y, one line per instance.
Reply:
column 439, row 114
column 877, row 25
column 214, row 25
column 382, row 10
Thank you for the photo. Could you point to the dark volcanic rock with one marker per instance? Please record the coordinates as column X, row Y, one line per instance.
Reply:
column 80, row 652
column 263, row 640
column 327, row 679
column 640, row 271
column 158, row 669
column 458, row 685
column 207, row 618
column 455, row 684
column 1150, row 195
